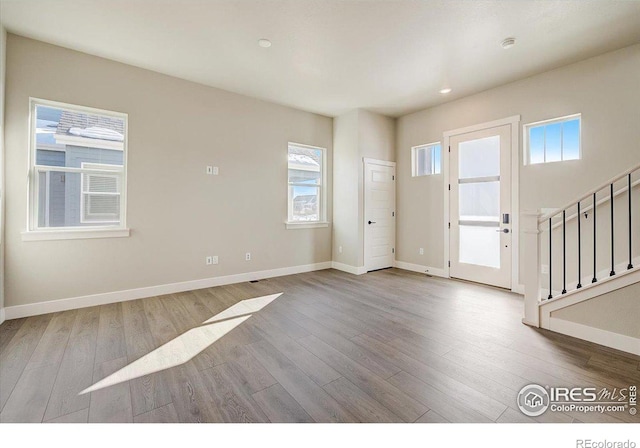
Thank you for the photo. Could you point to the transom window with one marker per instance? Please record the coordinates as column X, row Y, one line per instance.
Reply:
column 307, row 195
column 426, row 159
column 553, row 140
column 78, row 162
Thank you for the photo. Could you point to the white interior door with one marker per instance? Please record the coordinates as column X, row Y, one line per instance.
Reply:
column 379, row 214
column 480, row 206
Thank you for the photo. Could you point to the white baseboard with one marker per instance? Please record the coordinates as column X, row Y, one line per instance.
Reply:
column 436, row 272
column 356, row 270
column 34, row 309
column 518, row 289
column 603, row 337
column 2, row 315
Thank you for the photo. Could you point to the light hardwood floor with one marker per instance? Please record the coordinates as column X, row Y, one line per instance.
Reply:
column 388, row 346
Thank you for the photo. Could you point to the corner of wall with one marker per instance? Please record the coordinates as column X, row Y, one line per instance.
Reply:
column 3, row 64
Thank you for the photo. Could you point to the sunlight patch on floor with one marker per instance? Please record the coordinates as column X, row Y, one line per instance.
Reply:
column 188, row 345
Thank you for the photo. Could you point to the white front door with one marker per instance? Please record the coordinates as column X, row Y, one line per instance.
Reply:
column 379, row 214
column 480, row 206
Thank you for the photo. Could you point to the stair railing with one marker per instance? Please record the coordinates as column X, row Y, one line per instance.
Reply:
column 548, row 231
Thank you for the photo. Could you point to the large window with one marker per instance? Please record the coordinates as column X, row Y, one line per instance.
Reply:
column 553, row 140
column 426, row 159
column 307, row 196
column 77, row 173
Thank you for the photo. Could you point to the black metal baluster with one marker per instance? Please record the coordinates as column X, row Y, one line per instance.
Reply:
column 613, row 272
column 550, row 260
column 630, row 265
column 595, row 205
column 564, row 252
column 579, row 285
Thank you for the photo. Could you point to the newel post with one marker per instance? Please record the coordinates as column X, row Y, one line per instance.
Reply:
column 531, row 268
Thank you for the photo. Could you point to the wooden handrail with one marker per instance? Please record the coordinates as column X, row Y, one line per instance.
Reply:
column 546, row 216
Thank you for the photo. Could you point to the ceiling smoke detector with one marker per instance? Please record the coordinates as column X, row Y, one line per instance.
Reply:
column 508, row 42
column 264, row 43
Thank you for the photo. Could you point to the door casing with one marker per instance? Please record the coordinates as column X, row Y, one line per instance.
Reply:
column 514, row 122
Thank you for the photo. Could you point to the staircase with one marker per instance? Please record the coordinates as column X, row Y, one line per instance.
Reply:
column 587, row 251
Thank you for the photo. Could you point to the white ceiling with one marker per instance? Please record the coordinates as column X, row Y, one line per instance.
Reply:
column 331, row 56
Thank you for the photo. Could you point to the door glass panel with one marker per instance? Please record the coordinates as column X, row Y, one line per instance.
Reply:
column 480, row 245
column 480, row 201
column 479, row 158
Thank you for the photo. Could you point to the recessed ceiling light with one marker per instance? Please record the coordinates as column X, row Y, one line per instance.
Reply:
column 264, row 43
column 445, row 91
column 508, row 43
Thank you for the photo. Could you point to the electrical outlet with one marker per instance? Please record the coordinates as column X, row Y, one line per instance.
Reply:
column 545, row 269
column 209, row 170
column 209, row 261
column 340, row 249
column 214, row 259
column 421, row 251
column 247, row 256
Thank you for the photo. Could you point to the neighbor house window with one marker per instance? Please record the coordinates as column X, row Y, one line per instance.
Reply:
column 553, row 140
column 77, row 173
column 307, row 197
column 426, row 159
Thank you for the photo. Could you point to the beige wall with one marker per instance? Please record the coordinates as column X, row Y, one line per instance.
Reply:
column 358, row 134
column 346, row 168
column 176, row 213
column 617, row 312
column 3, row 65
column 605, row 89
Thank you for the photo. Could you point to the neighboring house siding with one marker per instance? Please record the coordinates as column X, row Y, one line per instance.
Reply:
column 56, row 188
column 77, row 155
column 50, row 158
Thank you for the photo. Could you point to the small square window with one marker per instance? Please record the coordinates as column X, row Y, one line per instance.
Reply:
column 426, row 159
column 553, row 140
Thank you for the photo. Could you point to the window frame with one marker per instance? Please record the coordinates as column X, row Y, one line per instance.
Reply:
column 36, row 233
column 414, row 159
column 322, row 187
column 526, row 131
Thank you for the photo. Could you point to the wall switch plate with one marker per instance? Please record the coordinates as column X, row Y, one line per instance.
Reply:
column 421, row 251
column 545, row 269
column 209, row 170
column 247, row 256
column 209, row 260
column 214, row 259
column 215, row 171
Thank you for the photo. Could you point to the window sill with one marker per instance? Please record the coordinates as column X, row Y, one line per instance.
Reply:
column 47, row 235
column 306, row 225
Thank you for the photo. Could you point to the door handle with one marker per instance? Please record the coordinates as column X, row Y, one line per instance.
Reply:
column 372, row 222
column 503, row 230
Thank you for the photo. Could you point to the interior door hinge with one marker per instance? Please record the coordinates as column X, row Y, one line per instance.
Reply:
column 393, row 250
column 393, row 177
column 449, row 263
column 393, row 214
column 449, row 225
column 449, row 187
column 449, row 148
